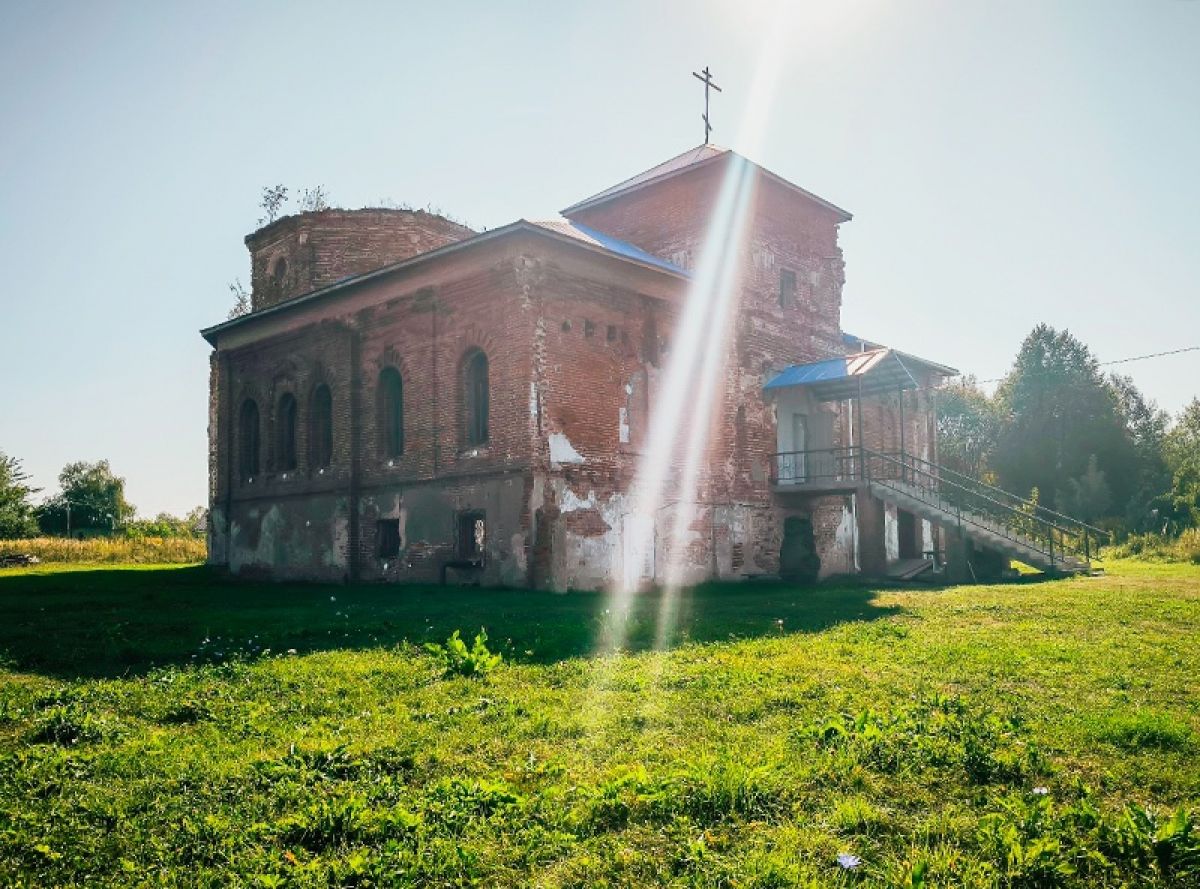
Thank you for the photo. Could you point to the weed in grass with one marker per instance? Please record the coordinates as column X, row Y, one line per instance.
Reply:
column 459, row 660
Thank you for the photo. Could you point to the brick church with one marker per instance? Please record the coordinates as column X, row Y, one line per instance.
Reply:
column 411, row 400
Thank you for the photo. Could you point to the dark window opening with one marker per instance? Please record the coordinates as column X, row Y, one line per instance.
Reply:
column 475, row 400
column 787, row 288
column 589, row 328
column 387, row 531
column 285, row 427
column 320, row 434
column 248, row 435
column 566, row 326
column 391, row 411
column 472, row 536
column 279, row 272
column 611, row 334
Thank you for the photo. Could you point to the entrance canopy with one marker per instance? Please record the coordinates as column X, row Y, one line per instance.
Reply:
column 872, row 372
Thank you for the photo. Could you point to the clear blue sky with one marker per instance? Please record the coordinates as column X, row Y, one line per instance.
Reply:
column 1007, row 163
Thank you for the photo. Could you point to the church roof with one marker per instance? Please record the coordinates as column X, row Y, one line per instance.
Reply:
column 690, row 160
column 623, row 249
column 560, row 230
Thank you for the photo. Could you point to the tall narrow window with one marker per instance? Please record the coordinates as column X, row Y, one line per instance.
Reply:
column 248, row 439
column 475, row 397
column 285, row 432
column 787, row 288
column 391, row 412
column 320, row 431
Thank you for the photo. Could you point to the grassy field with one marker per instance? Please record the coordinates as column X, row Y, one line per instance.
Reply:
column 159, row 727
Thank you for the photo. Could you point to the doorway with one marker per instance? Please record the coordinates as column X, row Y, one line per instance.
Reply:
column 800, row 446
column 906, row 531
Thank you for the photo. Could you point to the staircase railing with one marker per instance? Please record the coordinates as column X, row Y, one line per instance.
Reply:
column 1058, row 537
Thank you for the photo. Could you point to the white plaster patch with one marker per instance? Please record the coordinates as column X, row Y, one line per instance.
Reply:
column 518, row 550
column 533, row 399
column 891, row 532
column 562, row 451
column 845, row 540
column 623, row 426
column 569, row 501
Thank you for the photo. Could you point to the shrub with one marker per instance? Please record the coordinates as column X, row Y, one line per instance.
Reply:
column 110, row 550
column 458, row 660
column 1159, row 547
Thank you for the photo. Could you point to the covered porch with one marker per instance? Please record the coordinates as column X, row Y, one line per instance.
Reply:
column 823, row 430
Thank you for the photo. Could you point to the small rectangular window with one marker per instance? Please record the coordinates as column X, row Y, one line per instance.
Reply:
column 787, row 288
column 387, row 532
column 472, row 536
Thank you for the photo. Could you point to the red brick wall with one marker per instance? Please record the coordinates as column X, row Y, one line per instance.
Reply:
column 320, row 248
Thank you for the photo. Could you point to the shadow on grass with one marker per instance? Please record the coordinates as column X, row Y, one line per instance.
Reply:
column 107, row 622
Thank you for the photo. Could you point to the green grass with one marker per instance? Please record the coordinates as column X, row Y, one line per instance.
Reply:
column 155, row 730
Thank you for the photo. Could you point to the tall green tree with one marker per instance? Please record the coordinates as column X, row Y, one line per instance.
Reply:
column 968, row 426
column 1146, row 426
column 93, row 497
column 1179, row 508
column 1059, row 412
column 17, row 514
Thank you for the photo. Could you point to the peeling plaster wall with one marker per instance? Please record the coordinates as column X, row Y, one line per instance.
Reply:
column 428, row 517
column 309, row 539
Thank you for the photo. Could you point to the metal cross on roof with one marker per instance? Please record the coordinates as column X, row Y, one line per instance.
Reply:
column 708, row 83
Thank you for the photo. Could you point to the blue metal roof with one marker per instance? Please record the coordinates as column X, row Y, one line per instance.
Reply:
column 608, row 242
column 815, row 372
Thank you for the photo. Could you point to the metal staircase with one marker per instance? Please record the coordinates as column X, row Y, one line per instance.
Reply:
column 991, row 517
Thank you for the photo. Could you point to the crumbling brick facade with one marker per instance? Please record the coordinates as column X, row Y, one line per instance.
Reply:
column 575, row 332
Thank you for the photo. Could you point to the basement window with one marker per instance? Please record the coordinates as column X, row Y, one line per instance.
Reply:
column 472, row 536
column 787, row 288
column 387, row 532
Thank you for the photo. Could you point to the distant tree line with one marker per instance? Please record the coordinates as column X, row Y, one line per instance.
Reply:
column 91, row 501
column 1085, row 443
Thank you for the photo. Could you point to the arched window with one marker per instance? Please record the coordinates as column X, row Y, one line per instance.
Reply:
column 320, row 427
column 285, row 432
column 475, row 397
column 391, row 412
column 248, row 440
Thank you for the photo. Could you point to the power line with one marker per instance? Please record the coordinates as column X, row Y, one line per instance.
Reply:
column 1118, row 360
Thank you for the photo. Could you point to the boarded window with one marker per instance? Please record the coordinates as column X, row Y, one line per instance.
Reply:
column 248, row 439
column 787, row 288
column 285, row 432
column 472, row 536
column 387, row 531
column 391, row 412
column 320, row 428
column 475, row 398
